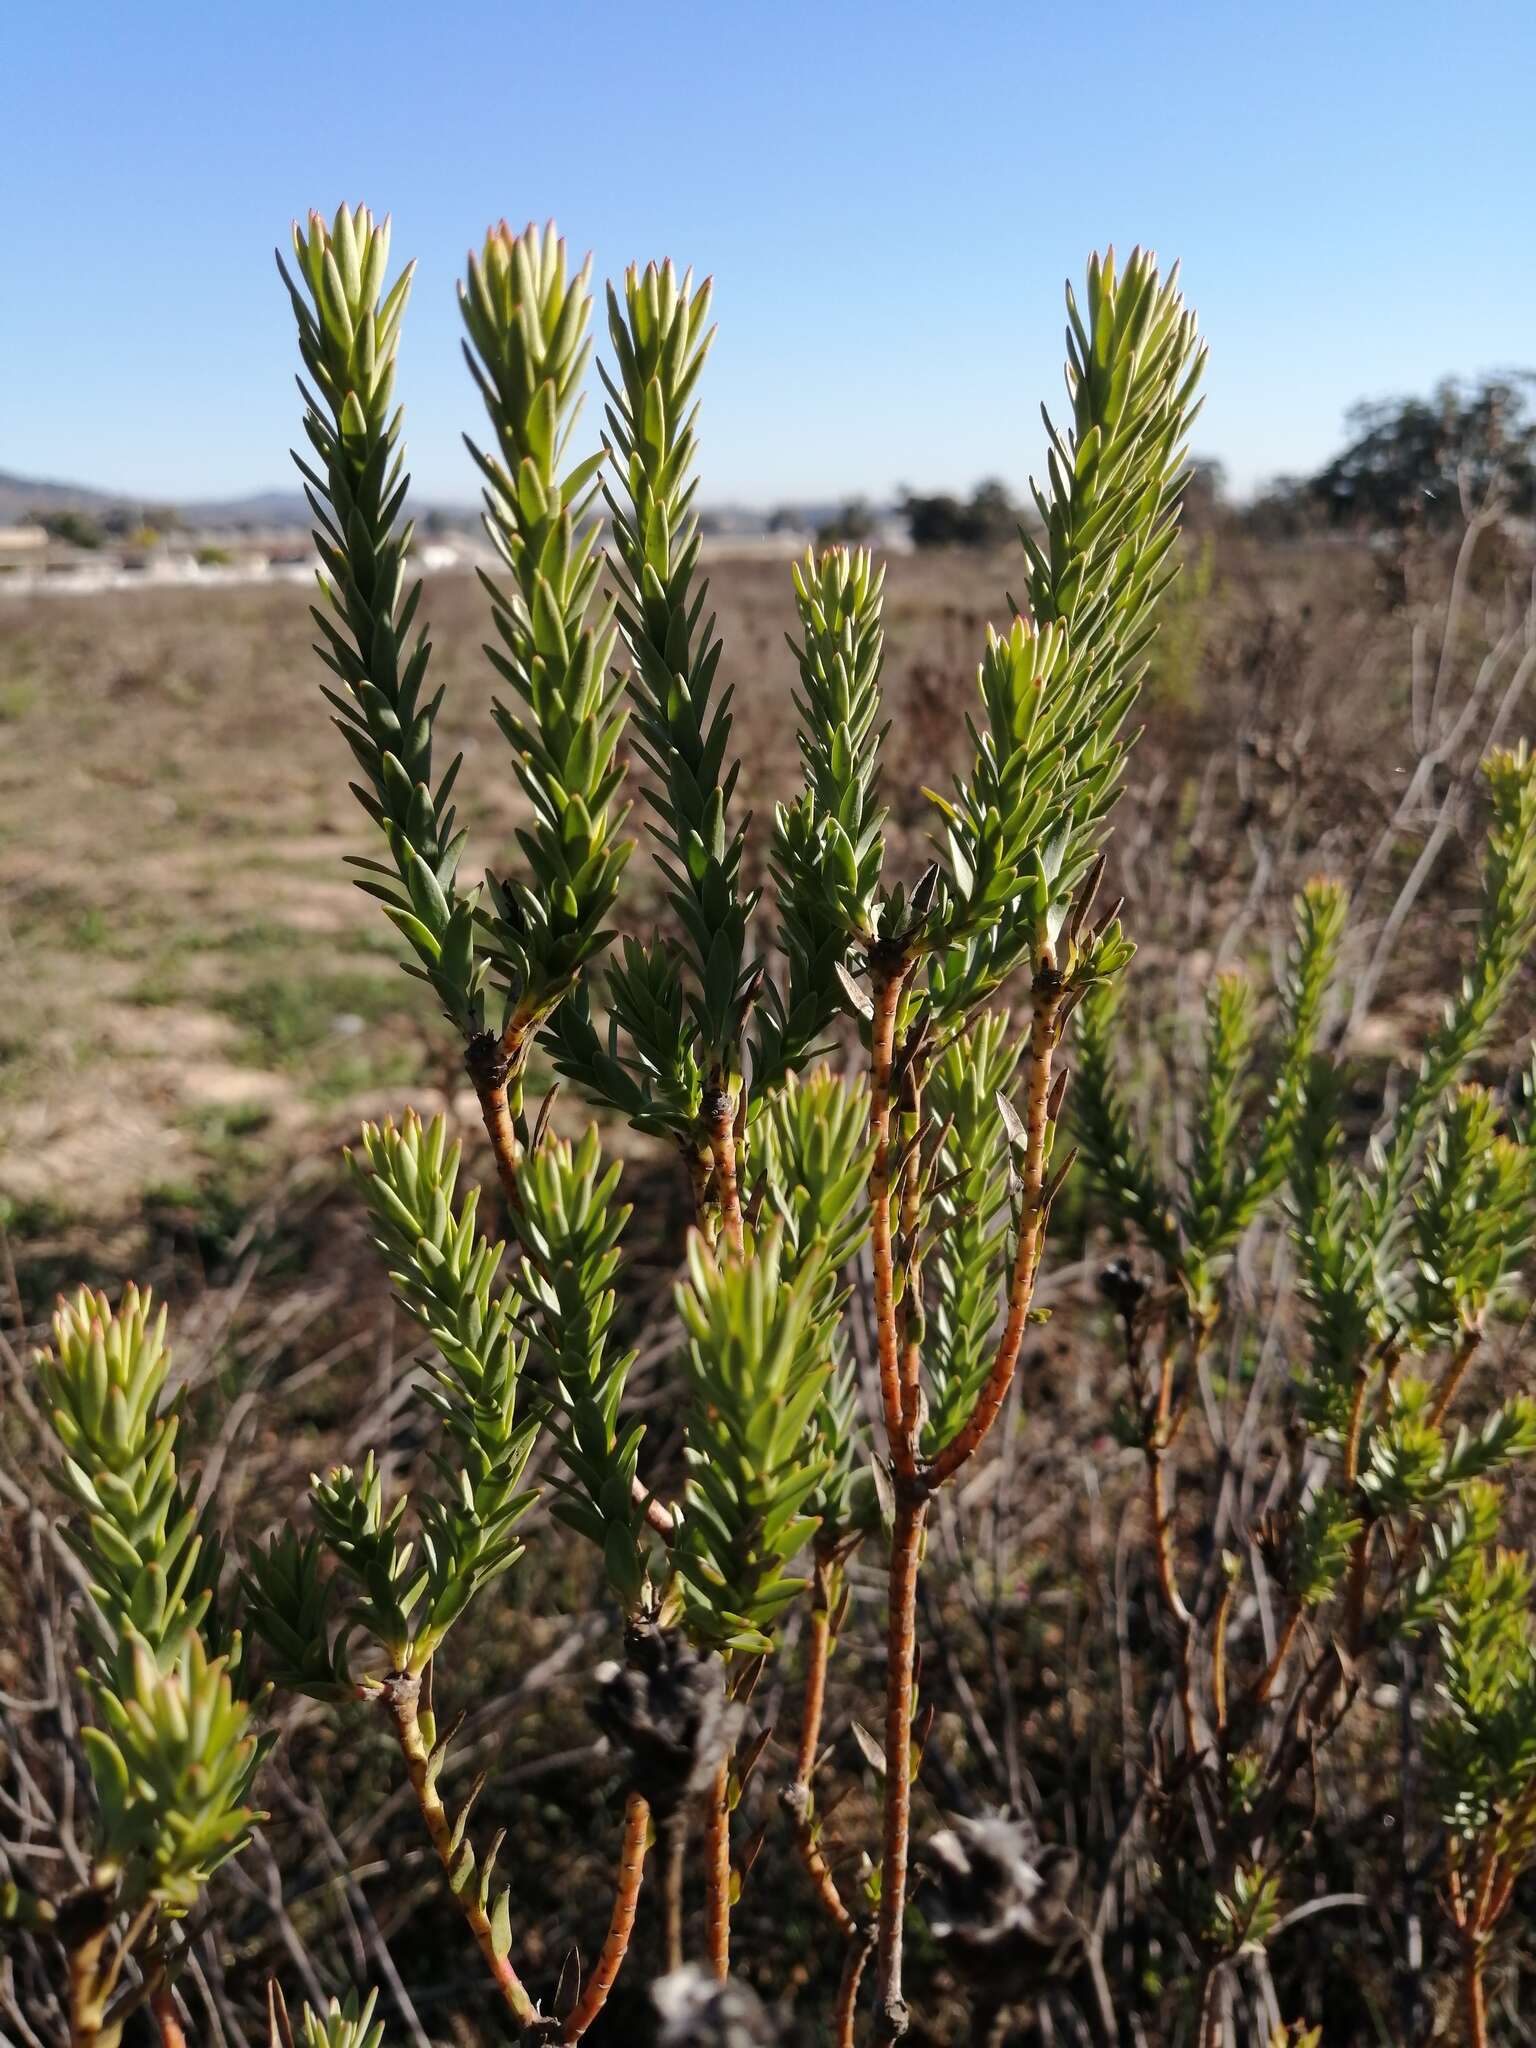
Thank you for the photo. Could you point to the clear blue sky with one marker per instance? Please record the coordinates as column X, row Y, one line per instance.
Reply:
column 888, row 194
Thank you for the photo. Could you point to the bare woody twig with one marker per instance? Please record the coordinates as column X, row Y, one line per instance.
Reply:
column 797, row 1796
column 163, row 2005
column 401, row 1696
column 717, row 1872
column 1045, row 1010
column 720, row 1117
column 492, row 1069
column 626, row 1899
column 901, row 1660
column 887, row 998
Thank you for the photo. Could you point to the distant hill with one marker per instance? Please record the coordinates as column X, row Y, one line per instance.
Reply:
column 21, row 495
column 259, row 508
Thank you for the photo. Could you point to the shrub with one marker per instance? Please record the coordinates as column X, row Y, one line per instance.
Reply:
column 874, row 1127
column 75, row 529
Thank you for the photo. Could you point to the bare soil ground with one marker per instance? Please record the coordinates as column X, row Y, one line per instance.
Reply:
column 191, row 992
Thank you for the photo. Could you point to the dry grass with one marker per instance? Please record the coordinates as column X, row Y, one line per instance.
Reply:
column 198, row 1008
column 196, row 996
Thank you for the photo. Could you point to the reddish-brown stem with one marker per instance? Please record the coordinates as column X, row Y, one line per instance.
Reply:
column 887, row 996
column 495, row 1066
column 1219, row 1657
column 401, row 1693
column 717, row 1873
column 912, row 1489
column 1159, row 1506
column 817, row 1658
column 906, row 1540
column 621, row 1923
column 797, row 1795
column 845, row 2016
column 1455, row 1373
column 1354, row 1588
column 1356, row 1425
column 722, row 1144
column 1161, row 1428
column 1042, row 1042
column 719, row 1123
column 1506, row 1868
column 720, row 1130
column 901, row 1659
column 700, row 1165
column 1474, row 2002
column 657, row 1513
column 1270, row 1676
column 163, row 2005
column 1487, row 1879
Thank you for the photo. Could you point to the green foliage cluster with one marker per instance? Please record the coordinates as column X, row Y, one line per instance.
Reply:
column 527, row 322
column 660, row 336
column 1403, row 1258
column 856, row 1114
column 1025, row 831
column 828, row 850
column 758, row 1340
column 569, row 1231
column 685, row 1033
column 447, row 1278
column 343, row 2023
column 349, row 333
column 153, row 1560
column 175, row 1744
column 1481, row 1746
column 968, row 1090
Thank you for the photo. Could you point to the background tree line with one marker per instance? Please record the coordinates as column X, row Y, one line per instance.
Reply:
column 1410, row 463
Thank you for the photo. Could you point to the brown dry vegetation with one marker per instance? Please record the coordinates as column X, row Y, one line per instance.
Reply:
column 196, row 1009
column 194, row 993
